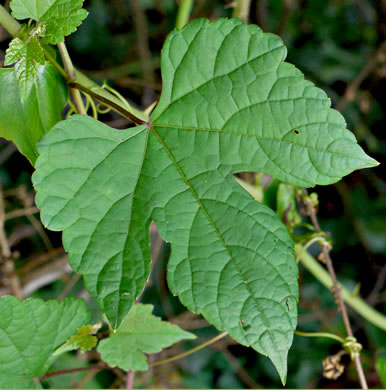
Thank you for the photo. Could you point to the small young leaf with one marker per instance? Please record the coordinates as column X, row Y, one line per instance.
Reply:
column 83, row 339
column 24, row 123
column 30, row 332
column 140, row 332
column 26, row 56
column 229, row 103
column 59, row 18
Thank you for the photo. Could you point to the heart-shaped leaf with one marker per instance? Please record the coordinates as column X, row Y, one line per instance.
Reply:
column 229, row 103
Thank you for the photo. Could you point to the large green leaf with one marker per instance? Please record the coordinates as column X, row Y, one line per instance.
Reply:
column 140, row 332
column 229, row 103
column 58, row 18
column 25, row 123
column 26, row 57
column 30, row 331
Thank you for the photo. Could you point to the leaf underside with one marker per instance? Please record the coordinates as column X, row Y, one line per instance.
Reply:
column 30, row 331
column 229, row 103
column 140, row 332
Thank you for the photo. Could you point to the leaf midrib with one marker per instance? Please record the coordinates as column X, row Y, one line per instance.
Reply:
column 218, row 234
column 234, row 132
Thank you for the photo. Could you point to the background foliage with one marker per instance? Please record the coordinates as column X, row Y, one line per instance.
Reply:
column 333, row 42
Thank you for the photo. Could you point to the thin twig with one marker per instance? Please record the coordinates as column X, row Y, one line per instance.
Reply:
column 6, row 253
column 337, row 292
column 86, row 379
column 142, row 30
column 187, row 353
column 78, row 369
column 352, row 88
column 72, row 282
column 357, row 303
column 241, row 372
column 130, row 380
column 21, row 213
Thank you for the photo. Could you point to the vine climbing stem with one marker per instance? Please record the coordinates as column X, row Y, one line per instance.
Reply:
column 70, row 70
column 184, row 10
column 8, row 22
column 336, row 290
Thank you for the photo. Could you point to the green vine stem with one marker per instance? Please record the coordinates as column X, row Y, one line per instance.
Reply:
column 13, row 27
column 70, row 70
column 320, row 334
column 183, row 14
column 241, row 9
column 124, row 112
column 187, row 353
column 8, row 22
column 356, row 303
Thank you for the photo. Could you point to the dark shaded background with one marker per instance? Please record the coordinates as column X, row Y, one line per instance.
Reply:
column 340, row 46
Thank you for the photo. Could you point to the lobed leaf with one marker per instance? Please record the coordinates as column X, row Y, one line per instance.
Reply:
column 59, row 17
column 229, row 103
column 26, row 56
column 140, row 332
column 30, row 332
column 25, row 123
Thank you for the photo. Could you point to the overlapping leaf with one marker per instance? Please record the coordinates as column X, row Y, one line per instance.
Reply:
column 30, row 331
column 57, row 18
column 229, row 103
column 25, row 123
column 26, row 56
column 140, row 332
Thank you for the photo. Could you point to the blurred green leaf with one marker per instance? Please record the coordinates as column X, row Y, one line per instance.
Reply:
column 31, row 331
column 25, row 123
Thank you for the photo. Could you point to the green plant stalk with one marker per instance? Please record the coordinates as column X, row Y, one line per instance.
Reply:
column 70, row 70
column 241, row 9
column 89, row 84
column 8, row 22
column 183, row 13
column 320, row 334
column 356, row 303
column 13, row 27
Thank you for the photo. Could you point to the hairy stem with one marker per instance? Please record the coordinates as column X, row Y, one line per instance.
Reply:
column 359, row 305
column 70, row 70
column 338, row 296
column 6, row 254
column 8, row 22
column 183, row 13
